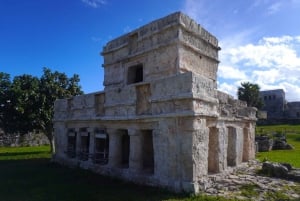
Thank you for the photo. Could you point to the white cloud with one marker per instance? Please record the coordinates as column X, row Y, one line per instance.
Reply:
column 273, row 8
column 292, row 91
column 267, row 77
column 278, row 40
column 228, row 88
column 273, row 52
column 230, row 72
column 94, row 3
column 272, row 62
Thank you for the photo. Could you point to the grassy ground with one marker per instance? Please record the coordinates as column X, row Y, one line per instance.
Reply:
column 23, row 153
column 26, row 174
column 293, row 138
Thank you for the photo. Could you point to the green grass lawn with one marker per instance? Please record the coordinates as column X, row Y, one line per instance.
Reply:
column 293, row 138
column 26, row 174
column 22, row 153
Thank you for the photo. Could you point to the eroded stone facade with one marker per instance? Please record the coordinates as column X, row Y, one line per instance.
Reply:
column 160, row 119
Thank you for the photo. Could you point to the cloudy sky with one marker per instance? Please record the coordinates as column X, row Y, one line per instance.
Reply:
column 260, row 39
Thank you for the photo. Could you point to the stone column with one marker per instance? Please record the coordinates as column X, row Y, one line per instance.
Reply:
column 222, row 134
column 115, row 148
column 239, row 145
column 249, row 145
column 92, row 144
column 158, row 155
column 78, row 142
column 135, row 153
column 252, row 147
column 232, row 147
column 214, row 150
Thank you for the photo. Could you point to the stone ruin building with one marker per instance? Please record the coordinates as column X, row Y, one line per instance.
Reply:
column 278, row 109
column 160, row 120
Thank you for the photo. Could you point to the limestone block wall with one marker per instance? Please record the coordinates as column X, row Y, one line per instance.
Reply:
column 61, row 108
column 82, row 106
column 175, row 44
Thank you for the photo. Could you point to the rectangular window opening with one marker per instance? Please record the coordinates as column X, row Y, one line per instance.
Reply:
column 135, row 74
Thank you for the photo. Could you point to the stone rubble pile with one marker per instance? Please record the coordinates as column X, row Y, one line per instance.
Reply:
column 281, row 170
column 230, row 185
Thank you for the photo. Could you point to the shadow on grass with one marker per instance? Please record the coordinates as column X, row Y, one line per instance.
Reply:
column 40, row 180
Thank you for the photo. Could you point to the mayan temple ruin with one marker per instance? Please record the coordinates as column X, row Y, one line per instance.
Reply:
column 160, row 120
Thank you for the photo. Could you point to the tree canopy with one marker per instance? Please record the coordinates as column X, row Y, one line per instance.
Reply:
column 249, row 92
column 27, row 102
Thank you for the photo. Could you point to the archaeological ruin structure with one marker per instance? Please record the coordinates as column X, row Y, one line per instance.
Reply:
column 160, row 120
column 278, row 109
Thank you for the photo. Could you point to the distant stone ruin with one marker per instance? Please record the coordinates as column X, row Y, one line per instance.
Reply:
column 160, row 120
column 278, row 109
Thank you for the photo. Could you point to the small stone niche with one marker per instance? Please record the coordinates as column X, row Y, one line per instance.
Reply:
column 135, row 74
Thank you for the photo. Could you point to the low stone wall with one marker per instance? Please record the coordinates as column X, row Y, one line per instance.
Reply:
column 30, row 139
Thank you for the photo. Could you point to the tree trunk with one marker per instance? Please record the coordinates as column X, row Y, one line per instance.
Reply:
column 49, row 133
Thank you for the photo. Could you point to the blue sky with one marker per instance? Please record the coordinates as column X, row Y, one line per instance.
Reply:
column 260, row 39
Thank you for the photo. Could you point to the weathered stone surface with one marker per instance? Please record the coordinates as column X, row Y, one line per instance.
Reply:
column 231, row 185
column 275, row 169
column 281, row 144
column 160, row 119
column 264, row 143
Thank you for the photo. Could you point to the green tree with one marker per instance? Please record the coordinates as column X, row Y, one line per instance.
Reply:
column 249, row 92
column 24, row 97
column 53, row 86
column 27, row 103
column 6, row 107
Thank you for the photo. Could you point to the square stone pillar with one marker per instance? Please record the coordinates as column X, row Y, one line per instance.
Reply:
column 239, row 145
column 115, row 148
column 135, row 154
column 235, row 146
column 222, row 154
column 158, row 153
column 252, row 147
column 78, row 142
column 214, row 150
column 249, row 145
column 92, row 144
